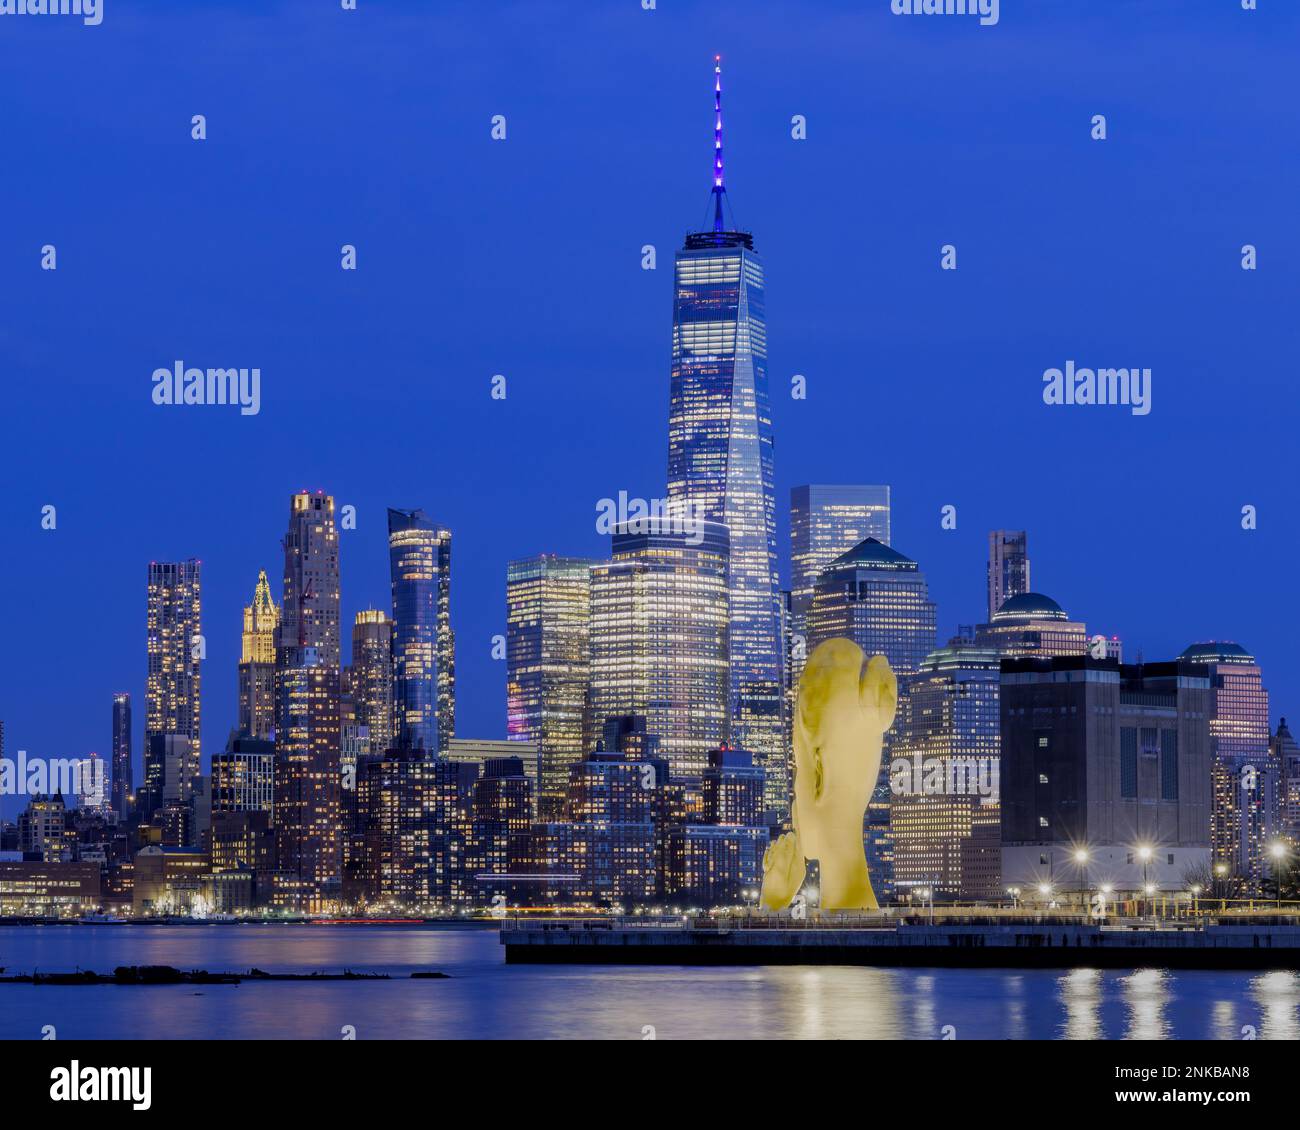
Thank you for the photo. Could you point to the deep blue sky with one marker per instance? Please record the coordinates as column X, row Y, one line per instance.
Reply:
column 522, row 257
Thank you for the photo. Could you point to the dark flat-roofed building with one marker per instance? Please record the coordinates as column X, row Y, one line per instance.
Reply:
column 1109, row 760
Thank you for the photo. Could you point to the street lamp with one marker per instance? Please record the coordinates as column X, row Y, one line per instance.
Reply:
column 1081, row 859
column 1277, row 849
column 927, row 895
column 1144, row 854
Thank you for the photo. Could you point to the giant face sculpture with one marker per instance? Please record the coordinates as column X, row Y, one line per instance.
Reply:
column 843, row 712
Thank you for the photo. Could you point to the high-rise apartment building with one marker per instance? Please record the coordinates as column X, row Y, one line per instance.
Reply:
column 175, row 647
column 413, row 831
column 308, row 712
column 548, row 665
column 370, row 679
column 123, row 773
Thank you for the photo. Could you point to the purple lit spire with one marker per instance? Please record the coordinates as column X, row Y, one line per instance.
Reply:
column 719, row 187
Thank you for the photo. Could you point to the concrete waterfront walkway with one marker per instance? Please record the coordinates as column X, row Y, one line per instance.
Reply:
column 880, row 940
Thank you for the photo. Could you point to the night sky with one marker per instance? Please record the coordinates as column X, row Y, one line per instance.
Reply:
column 523, row 258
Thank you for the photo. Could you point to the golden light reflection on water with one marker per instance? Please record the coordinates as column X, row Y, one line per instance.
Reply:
column 1081, row 995
column 1278, row 996
column 837, row 1003
column 1146, row 996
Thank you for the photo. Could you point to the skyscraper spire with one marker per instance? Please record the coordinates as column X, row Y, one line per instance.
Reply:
column 719, row 187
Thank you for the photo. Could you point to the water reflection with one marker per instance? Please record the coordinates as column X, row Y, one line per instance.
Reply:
column 1223, row 1021
column 1016, row 1017
column 832, row 1002
column 483, row 998
column 923, row 1010
column 1277, row 995
column 1081, row 996
column 1146, row 995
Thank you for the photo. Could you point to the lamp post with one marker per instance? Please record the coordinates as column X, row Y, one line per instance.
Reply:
column 927, row 894
column 1277, row 850
column 1081, row 859
column 1144, row 854
column 1220, row 873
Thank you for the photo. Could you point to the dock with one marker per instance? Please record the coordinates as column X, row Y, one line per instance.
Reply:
column 763, row 940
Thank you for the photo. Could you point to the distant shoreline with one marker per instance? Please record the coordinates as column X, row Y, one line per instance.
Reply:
column 156, row 975
column 412, row 923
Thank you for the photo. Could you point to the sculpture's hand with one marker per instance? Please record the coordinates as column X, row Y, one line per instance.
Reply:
column 783, row 871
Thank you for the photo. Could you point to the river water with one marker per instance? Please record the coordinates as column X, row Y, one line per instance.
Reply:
column 483, row 998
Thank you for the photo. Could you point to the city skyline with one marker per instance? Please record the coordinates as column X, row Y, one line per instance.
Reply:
column 1149, row 609
column 659, row 520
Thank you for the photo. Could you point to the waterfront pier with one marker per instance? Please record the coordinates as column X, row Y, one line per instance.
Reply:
column 1002, row 942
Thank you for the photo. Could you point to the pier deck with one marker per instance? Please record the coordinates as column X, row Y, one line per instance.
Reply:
column 825, row 941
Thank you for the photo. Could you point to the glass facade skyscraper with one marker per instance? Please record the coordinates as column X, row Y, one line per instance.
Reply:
column 548, row 667
column 1246, row 776
column 944, row 775
column 419, row 554
column 826, row 521
column 720, row 459
column 879, row 599
column 659, row 640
